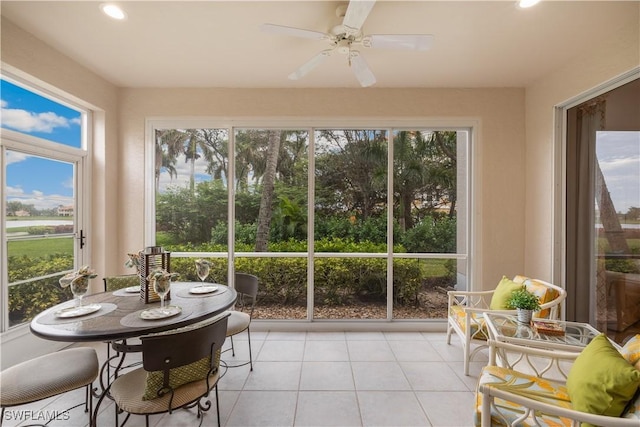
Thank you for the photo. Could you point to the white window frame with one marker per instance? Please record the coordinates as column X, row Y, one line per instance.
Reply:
column 28, row 144
column 473, row 183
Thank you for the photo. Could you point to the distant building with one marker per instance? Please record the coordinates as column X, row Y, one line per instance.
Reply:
column 22, row 213
column 65, row 210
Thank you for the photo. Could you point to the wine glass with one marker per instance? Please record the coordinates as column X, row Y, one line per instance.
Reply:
column 202, row 269
column 79, row 288
column 162, row 285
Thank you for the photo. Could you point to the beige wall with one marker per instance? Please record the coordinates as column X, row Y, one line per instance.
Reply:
column 611, row 58
column 29, row 55
column 499, row 141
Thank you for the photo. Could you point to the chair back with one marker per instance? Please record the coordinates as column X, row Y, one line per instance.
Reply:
column 246, row 285
column 168, row 350
column 113, row 283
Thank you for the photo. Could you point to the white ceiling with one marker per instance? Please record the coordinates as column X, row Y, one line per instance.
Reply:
column 219, row 43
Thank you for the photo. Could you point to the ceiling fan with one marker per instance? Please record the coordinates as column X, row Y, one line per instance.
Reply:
column 344, row 37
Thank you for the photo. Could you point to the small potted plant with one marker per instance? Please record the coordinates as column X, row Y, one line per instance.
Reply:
column 525, row 303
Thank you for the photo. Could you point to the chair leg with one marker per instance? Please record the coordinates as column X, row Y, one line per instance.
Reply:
column 250, row 356
column 1, row 416
column 233, row 351
column 217, row 405
column 466, row 353
column 88, row 402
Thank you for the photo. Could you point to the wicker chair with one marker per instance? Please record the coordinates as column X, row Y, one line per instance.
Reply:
column 465, row 313
column 531, row 387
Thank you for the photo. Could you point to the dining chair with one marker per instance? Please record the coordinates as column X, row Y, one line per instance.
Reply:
column 246, row 285
column 113, row 283
column 179, row 369
column 50, row 375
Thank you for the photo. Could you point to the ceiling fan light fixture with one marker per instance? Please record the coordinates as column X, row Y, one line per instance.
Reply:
column 524, row 4
column 113, row 11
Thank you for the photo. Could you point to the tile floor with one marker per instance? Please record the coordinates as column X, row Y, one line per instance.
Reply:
column 319, row 379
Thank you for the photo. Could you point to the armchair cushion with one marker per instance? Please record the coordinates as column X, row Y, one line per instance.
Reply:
column 631, row 351
column 478, row 328
column 544, row 293
column 539, row 389
column 601, row 381
column 502, row 293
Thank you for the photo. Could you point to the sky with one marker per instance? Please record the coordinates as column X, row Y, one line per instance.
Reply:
column 47, row 183
column 619, row 157
column 40, row 182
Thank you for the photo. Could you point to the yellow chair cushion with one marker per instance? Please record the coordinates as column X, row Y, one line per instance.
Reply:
column 478, row 326
column 544, row 293
column 631, row 351
column 504, row 412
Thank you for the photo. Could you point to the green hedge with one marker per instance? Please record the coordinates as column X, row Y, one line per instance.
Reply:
column 338, row 281
column 283, row 281
column 28, row 299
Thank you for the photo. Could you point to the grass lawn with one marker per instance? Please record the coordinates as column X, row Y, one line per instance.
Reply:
column 40, row 248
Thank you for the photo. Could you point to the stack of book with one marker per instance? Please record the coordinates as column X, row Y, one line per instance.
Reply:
column 548, row 328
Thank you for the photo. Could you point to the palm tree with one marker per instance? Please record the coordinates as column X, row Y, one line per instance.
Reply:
column 409, row 172
column 169, row 144
column 195, row 147
column 268, row 185
column 217, row 152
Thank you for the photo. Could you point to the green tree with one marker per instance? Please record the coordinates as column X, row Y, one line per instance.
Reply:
column 169, row 144
column 351, row 172
column 268, row 186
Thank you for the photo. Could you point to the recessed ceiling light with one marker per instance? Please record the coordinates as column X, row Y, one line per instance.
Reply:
column 113, row 11
column 527, row 3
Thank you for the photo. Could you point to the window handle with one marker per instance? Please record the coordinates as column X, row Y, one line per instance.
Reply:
column 81, row 238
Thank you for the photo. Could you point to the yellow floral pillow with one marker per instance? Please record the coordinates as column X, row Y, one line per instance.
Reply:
column 631, row 351
column 544, row 293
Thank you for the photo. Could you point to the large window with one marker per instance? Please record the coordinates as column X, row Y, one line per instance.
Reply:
column 338, row 223
column 43, row 149
column 603, row 209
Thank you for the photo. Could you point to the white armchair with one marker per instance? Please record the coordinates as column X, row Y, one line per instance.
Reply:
column 466, row 308
column 530, row 388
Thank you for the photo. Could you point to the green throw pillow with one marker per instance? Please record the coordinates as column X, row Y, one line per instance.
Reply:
column 601, row 381
column 178, row 376
column 502, row 293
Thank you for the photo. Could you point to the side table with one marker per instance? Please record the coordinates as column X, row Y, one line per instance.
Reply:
column 506, row 328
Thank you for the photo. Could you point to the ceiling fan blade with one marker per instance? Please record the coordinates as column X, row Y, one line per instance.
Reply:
column 399, row 41
column 357, row 13
column 361, row 69
column 295, row 32
column 310, row 64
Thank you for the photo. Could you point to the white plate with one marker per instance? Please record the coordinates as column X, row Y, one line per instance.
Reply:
column 203, row 289
column 78, row 311
column 156, row 313
column 132, row 289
